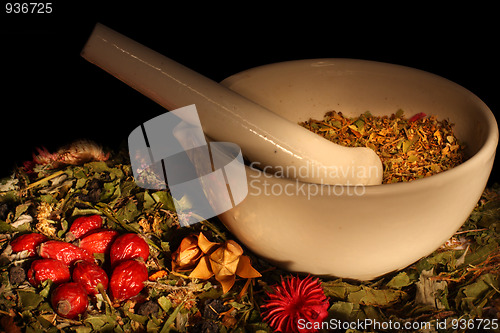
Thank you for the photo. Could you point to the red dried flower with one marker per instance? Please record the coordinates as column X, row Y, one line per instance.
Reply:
column 416, row 117
column 296, row 305
column 76, row 153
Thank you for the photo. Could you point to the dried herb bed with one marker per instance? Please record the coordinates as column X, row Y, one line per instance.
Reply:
column 409, row 148
column 459, row 281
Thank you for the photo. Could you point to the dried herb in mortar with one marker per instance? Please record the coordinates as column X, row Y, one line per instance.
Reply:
column 409, row 148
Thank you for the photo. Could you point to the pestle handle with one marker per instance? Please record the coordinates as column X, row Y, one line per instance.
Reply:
column 262, row 135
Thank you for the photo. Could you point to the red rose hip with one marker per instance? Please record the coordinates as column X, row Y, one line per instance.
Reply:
column 63, row 251
column 98, row 241
column 128, row 246
column 127, row 279
column 89, row 275
column 69, row 300
column 83, row 224
column 28, row 242
column 44, row 269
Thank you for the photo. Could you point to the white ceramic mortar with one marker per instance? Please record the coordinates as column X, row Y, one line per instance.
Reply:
column 359, row 232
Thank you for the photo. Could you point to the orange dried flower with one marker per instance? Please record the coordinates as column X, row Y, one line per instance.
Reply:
column 188, row 254
column 222, row 261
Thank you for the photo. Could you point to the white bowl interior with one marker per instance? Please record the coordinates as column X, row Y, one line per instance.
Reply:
column 353, row 87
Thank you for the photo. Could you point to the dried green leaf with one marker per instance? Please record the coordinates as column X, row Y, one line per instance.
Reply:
column 346, row 311
column 165, row 246
column 446, row 259
column 338, row 289
column 111, row 191
column 399, row 281
column 46, row 285
column 480, row 254
column 80, row 183
column 146, row 199
column 343, row 310
column 128, row 213
column 84, row 211
column 473, row 297
column 152, row 326
column 96, row 167
column 375, row 297
column 165, row 198
column 29, row 300
column 127, row 187
column 21, row 209
column 101, row 322
column 136, row 317
column 165, row 303
column 6, row 228
column 63, row 229
column 45, row 321
column 9, row 184
column 82, row 329
column 428, row 290
column 406, row 145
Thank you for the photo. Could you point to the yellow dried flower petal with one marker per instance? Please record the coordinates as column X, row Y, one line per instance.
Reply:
column 226, row 282
column 46, row 228
column 245, row 269
column 203, row 270
column 204, row 244
column 224, row 260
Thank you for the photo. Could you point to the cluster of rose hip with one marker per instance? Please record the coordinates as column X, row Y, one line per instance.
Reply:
column 73, row 270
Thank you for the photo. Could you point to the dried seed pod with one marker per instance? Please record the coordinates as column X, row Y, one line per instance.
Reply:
column 63, row 251
column 44, row 269
column 89, row 275
column 147, row 308
column 188, row 254
column 28, row 242
column 224, row 261
column 127, row 279
column 98, row 241
column 69, row 300
column 17, row 275
column 82, row 225
column 128, row 246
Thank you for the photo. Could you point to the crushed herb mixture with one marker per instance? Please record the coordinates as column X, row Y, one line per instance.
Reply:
column 409, row 148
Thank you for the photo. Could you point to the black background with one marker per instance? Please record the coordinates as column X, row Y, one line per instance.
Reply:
column 51, row 96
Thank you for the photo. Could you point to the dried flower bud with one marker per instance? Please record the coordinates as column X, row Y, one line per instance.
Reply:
column 224, row 261
column 188, row 254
